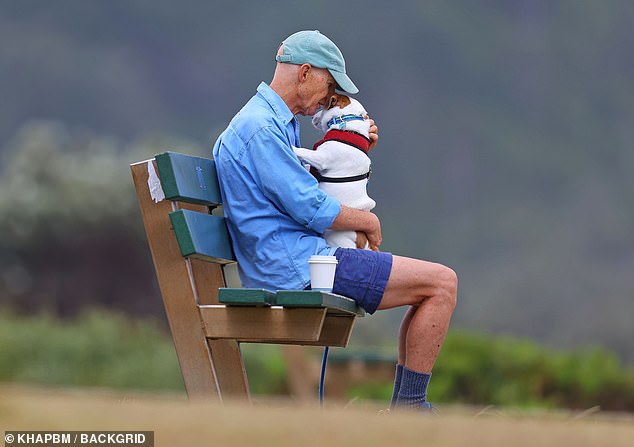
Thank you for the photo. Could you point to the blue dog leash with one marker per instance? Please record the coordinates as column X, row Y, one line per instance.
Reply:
column 322, row 379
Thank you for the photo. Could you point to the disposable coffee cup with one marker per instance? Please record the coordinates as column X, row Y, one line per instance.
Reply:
column 322, row 272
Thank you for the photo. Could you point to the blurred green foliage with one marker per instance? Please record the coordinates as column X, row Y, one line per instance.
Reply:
column 96, row 349
column 56, row 182
column 103, row 349
column 475, row 368
column 71, row 231
column 108, row 350
column 266, row 369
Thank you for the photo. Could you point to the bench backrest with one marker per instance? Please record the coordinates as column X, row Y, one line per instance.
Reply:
column 194, row 180
column 186, row 178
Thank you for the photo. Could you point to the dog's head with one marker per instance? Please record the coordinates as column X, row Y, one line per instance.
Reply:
column 341, row 106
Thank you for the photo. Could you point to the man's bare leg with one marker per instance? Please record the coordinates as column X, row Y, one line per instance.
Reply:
column 402, row 353
column 402, row 334
column 430, row 291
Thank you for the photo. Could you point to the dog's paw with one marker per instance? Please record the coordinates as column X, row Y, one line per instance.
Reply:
column 361, row 240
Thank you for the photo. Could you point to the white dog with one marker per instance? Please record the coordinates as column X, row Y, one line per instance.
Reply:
column 340, row 161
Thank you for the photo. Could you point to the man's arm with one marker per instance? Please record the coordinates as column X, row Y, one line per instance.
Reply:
column 365, row 221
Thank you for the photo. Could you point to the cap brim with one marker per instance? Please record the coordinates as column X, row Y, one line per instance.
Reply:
column 343, row 82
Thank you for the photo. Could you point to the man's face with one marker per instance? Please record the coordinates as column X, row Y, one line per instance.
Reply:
column 316, row 90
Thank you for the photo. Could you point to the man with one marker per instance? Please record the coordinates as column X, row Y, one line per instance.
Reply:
column 276, row 214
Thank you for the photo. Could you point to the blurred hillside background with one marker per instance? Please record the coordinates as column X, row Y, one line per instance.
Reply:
column 506, row 146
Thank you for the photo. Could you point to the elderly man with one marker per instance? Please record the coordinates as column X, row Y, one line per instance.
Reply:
column 277, row 215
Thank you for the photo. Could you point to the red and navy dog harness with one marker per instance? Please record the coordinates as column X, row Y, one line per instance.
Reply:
column 350, row 138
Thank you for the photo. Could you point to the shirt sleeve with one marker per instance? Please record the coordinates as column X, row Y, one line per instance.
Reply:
column 283, row 180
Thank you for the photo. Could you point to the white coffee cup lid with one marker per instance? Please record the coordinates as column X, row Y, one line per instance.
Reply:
column 323, row 259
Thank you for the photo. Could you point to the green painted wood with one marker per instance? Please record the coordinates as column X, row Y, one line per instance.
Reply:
column 246, row 297
column 202, row 236
column 186, row 178
column 315, row 298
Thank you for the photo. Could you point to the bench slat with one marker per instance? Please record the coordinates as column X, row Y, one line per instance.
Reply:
column 263, row 325
column 186, row 178
column 337, row 329
column 310, row 326
column 246, row 297
column 202, row 236
column 315, row 298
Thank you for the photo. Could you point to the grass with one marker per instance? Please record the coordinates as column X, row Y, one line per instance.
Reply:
column 282, row 423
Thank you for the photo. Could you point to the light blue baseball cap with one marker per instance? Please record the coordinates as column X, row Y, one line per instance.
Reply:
column 312, row 47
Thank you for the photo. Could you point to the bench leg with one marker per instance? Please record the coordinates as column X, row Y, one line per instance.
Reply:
column 229, row 368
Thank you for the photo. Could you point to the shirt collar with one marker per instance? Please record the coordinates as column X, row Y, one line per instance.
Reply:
column 276, row 102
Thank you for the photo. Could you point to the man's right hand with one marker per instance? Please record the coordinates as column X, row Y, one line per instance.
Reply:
column 365, row 221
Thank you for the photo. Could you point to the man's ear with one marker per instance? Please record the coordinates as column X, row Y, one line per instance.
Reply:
column 303, row 72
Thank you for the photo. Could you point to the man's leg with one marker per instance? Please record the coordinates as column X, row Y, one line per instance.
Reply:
column 398, row 375
column 430, row 289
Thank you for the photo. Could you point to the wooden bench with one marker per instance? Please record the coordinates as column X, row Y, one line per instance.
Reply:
column 194, row 264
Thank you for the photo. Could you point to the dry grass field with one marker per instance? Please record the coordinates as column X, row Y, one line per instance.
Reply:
column 177, row 422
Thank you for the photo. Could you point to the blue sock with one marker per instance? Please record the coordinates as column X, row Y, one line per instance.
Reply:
column 397, row 384
column 413, row 390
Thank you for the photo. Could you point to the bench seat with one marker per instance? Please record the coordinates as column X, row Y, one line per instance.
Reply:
column 289, row 298
column 246, row 297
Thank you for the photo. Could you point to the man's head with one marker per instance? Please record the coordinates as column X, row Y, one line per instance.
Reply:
column 312, row 47
column 304, row 77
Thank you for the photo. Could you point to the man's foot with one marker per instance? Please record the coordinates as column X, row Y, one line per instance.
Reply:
column 425, row 408
column 428, row 408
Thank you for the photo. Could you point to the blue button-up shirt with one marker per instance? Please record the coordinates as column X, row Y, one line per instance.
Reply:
column 275, row 213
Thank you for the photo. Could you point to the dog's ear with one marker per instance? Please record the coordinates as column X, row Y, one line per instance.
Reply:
column 332, row 102
column 338, row 100
column 343, row 101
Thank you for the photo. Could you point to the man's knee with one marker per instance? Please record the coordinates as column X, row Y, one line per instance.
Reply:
column 447, row 285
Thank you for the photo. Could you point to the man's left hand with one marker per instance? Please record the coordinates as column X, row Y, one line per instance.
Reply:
column 373, row 134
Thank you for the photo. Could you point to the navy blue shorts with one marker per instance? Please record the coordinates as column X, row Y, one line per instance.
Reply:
column 362, row 275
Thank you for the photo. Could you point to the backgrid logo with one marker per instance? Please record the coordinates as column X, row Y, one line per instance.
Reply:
column 79, row 438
